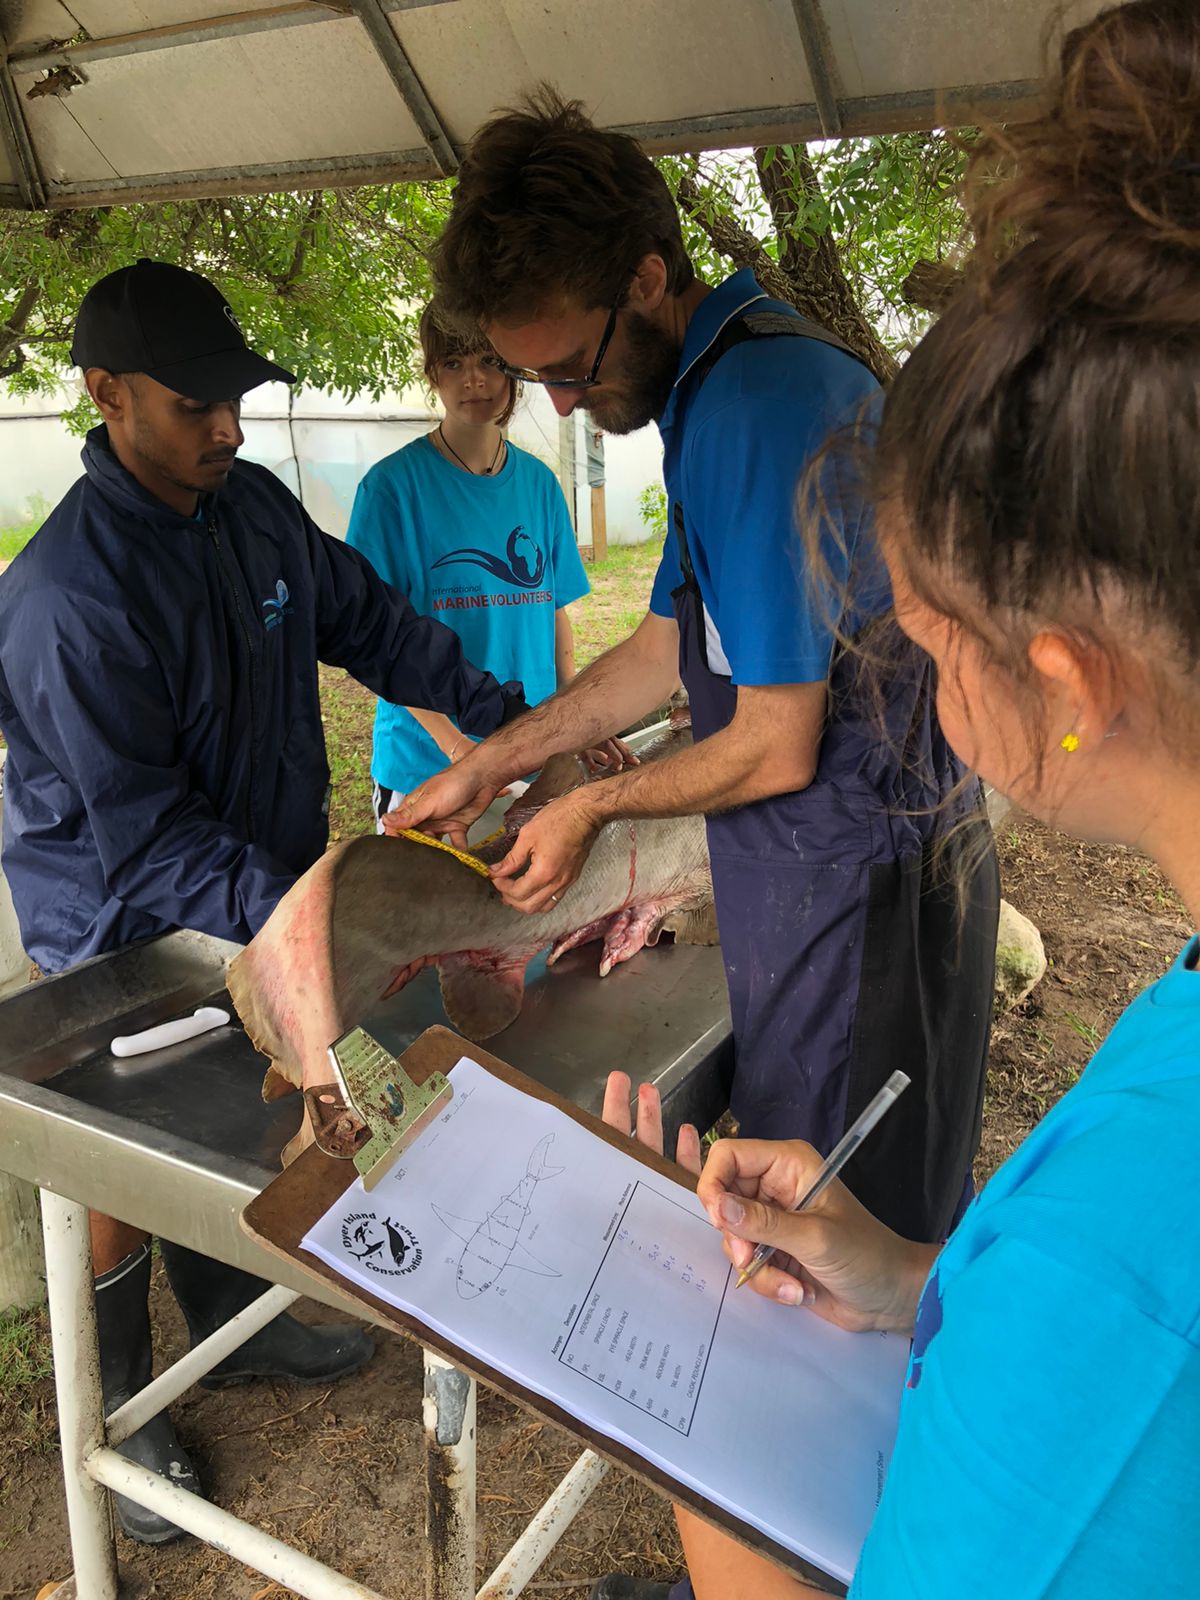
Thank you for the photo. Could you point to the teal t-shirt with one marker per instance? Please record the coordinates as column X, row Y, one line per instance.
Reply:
column 1048, row 1434
column 492, row 557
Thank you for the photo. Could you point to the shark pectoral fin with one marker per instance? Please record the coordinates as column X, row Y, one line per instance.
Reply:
column 276, row 1084
column 693, row 925
column 480, row 996
column 461, row 1227
column 528, row 1263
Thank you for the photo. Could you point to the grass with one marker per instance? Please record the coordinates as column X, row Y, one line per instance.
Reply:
column 24, row 1350
column 621, row 585
column 1085, row 1030
column 13, row 540
column 26, row 1407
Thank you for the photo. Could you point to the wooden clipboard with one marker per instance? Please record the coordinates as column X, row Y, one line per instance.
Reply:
column 281, row 1216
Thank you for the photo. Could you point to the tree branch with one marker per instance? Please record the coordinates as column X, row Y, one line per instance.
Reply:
column 820, row 287
column 731, row 239
column 807, row 277
column 304, row 240
column 12, row 333
column 931, row 285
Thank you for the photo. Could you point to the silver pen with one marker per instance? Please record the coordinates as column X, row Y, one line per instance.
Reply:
column 834, row 1162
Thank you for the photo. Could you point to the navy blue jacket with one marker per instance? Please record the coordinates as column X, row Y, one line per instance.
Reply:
column 158, row 692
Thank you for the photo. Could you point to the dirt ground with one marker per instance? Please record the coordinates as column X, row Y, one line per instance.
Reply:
column 339, row 1473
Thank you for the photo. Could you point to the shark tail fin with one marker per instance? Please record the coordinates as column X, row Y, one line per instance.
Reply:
column 539, row 1166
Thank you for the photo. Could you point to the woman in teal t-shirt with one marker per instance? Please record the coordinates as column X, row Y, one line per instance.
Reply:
column 1037, row 473
column 476, row 533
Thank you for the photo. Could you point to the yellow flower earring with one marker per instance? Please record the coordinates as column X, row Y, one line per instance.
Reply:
column 1069, row 743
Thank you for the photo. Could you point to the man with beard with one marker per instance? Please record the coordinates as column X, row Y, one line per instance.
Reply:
column 842, row 944
column 159, row 640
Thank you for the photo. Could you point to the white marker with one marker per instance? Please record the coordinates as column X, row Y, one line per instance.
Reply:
column 174, row 1032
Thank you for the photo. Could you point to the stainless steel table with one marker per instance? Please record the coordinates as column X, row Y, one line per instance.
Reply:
column 178, row 1141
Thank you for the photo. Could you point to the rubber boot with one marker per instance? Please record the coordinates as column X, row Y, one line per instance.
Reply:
column 209, row 1293
column 123, row 1323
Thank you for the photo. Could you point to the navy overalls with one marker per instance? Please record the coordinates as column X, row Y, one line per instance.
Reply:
column 846, row 949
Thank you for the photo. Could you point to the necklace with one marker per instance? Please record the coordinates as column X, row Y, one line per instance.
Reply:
column 486, row 471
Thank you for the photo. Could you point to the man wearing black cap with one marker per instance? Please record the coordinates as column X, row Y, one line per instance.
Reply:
column 159, row 640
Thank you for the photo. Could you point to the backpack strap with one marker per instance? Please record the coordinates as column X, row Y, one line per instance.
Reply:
column 764, row 325
column 738, row 330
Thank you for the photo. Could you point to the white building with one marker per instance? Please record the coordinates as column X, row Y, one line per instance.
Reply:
column 321, row 445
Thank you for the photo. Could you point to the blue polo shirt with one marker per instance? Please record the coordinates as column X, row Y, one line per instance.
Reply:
column 735, row 461
column 1048, row 1435
column 492, row 557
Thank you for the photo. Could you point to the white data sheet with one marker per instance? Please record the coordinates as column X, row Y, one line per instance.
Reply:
column 567, row 1264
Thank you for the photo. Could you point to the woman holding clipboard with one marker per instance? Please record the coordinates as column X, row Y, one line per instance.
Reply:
column 1037, row 473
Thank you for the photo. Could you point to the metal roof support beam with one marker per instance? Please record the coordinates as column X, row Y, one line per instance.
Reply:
column 390, row 51
column 321, row 172
column 909, row 110
column 818, row 53
column 233, row 26
column 17, row 143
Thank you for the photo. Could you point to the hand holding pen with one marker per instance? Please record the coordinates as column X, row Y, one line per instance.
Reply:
column 852, row 1269
column 835, row 1161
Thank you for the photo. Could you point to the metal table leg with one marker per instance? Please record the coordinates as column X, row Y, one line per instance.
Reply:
column 449, row 1416
column 545, row 1530
column 450, row 1471
column 80, row 1398
column 91, row 1466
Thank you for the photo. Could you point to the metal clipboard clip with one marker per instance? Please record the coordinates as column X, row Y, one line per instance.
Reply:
column 372, row 1110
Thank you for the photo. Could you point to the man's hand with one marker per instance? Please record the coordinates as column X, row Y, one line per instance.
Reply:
column 548, row 854
column 449, row 802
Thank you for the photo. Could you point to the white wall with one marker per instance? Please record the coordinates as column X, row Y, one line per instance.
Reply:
column 324, row 449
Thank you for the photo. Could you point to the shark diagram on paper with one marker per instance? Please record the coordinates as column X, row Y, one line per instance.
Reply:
column 493, row 1245
column 560, row 1260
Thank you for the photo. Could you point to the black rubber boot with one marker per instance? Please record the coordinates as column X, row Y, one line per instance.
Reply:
column 618, row 1587
column 209, row 1293
column 123, row 1323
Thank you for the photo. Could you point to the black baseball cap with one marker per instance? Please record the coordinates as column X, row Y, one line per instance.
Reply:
column 174, row 326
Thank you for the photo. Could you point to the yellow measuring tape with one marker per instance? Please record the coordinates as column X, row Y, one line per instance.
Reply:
column 438, row 844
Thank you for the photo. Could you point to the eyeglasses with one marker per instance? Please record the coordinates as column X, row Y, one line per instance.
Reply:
column 530, row 375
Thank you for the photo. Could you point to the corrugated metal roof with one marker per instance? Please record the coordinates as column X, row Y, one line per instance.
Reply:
column 104, row 101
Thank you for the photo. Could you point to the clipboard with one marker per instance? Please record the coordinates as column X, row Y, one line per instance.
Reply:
column 280, row 1217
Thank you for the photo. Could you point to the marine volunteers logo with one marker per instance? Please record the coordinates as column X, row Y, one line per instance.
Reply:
column 385, row 1246
column 524, row 569
column 278, row 607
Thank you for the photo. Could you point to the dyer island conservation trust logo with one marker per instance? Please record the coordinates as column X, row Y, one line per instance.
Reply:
column 381, row 1244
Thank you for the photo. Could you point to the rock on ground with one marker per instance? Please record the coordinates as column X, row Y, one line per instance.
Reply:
column 1020, row 958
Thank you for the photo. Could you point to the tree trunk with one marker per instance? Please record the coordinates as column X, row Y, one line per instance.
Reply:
column 821, row 288
column 808, row 277
column 12, row 357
